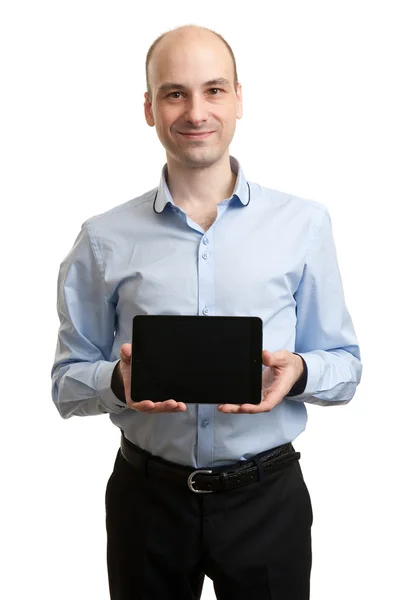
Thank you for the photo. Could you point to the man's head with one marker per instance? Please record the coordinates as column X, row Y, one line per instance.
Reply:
column 192, row 88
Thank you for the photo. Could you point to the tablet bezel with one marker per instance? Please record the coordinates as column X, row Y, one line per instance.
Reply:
column 255, row 325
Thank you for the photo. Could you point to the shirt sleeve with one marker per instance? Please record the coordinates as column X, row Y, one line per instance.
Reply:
column 325, row 337
column 82, row 371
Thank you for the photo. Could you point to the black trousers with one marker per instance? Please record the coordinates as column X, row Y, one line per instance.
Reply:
column 253, row 542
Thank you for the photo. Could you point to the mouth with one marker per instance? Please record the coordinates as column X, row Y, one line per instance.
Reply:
column 197, row 136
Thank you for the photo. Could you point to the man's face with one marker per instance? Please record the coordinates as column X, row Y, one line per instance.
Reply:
column 194, row 104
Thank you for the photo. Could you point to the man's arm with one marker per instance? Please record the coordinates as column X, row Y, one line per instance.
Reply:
column 81, row 373
column 325, row 337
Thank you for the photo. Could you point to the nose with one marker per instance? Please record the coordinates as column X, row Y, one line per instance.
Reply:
column 196, row 110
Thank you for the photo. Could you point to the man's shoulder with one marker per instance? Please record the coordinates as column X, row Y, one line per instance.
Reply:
column 122, row 212
column 280, row 199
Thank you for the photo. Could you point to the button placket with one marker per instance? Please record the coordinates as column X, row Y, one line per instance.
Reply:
column 205, row 276
column 205, row 307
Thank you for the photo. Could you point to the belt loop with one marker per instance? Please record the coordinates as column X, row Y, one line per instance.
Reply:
column 258, row 463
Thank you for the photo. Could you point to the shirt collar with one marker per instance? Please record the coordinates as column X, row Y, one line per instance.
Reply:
column 241, row 189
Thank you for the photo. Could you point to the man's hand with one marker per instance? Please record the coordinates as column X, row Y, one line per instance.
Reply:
column 283, row 369
column 147, row 406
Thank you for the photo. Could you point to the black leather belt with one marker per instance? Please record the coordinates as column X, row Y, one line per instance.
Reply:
column 215, row 479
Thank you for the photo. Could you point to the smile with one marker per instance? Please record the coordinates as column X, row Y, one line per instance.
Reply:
column 197, row 136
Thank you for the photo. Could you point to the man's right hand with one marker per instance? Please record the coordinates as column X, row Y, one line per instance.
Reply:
column 147, row 406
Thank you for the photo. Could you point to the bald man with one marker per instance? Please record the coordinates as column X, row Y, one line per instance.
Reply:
column 196, row 488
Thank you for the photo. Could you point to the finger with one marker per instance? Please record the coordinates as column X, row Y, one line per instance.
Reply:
column 229, row 408
column 148, row 406
column 168, row 406
column 142, row 406
column 249, row 409
column 171, row 405
column 252, row 409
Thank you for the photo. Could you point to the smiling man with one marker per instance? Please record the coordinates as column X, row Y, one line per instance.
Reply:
column 205, row 489
column 194, row 99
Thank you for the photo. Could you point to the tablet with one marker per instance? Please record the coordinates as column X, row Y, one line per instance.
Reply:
column 195, row 359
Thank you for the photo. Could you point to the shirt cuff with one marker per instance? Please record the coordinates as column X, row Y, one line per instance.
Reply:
column 300, row 385
column 117, row 384
column 314, row 364
column 108, row 398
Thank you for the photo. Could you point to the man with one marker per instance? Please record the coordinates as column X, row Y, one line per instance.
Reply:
column 205, row 242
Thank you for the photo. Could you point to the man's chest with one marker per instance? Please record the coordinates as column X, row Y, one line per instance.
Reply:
column 204, row 218
column 217, row 272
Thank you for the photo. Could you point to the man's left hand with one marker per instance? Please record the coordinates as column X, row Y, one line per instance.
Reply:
column 282, row 371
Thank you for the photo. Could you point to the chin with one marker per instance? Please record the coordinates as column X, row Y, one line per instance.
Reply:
column 198, row 158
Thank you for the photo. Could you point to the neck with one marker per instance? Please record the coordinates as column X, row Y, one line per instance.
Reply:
column 200, row 187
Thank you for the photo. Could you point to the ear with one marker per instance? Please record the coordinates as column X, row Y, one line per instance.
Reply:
column 239, row 101
column 149, row 117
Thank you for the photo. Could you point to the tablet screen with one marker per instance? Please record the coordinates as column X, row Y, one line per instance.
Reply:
column 195, row 359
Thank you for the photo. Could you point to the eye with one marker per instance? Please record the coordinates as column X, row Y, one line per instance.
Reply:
column 172, row 94
column 215, row 90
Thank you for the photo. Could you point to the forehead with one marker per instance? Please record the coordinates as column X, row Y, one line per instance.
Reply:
column 190, row 61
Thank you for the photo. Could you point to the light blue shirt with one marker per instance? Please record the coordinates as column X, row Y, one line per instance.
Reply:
column 268, row 254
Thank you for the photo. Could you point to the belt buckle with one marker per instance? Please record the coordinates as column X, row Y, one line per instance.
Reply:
column 190, row 481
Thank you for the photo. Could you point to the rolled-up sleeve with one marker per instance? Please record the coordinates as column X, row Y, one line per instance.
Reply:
column 325, row 336
column 82, row 371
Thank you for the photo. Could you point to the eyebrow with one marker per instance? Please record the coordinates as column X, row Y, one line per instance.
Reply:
column 169, row 85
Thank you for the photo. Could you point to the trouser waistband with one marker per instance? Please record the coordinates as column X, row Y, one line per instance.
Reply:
column 214, row 479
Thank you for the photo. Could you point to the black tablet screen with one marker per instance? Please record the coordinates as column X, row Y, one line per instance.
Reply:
column 196, row 359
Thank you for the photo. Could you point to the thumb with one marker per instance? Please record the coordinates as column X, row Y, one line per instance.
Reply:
column 125, row 352
column 267, row 358
column 272, row 359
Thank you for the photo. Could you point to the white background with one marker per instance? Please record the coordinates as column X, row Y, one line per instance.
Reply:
column 320, row 121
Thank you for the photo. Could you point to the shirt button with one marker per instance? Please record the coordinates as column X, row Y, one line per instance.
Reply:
column 205, row 240
column 205, row 310
column 205, row 422
column 205, row 255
